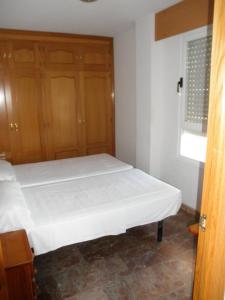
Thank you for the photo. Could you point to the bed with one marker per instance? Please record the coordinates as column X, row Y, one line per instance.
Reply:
column 67, row 169
column 57, row 212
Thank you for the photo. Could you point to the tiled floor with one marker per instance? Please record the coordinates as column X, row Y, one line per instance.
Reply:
column 132, row 266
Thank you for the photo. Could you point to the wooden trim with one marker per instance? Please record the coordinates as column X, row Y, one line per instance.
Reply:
column 210, row 266
column 6, row 34
column 184, row 16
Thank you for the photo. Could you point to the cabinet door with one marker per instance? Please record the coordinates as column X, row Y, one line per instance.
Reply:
column 65, row 132
column 98, row 105
column 26, row 117
column 23, row 54
column 63, row 56
column 4, row 128
column 96, row 58
column 3, row 55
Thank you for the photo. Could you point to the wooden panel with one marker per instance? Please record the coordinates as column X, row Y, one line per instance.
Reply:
column 3, row 280
column 23, row 54
column 15, row 248
column 18, row 265
column 63, row 102
column 210, row 267
column 97, row 99
column 28, row 35
column 20, row 283
column 3, row 55
column 184, row 16
column 96, row 58
column 27, row 111
column 4, row 123
column 62, row 55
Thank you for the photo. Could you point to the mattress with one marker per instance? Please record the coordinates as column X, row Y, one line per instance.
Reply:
column 67, row 169
column 84, row 209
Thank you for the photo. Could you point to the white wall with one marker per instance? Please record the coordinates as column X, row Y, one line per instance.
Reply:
column 183, row 173
column 144, row 31
column 125, row 95
column 150, row 70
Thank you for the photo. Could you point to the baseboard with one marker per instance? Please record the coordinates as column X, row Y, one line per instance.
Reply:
column 190, row 210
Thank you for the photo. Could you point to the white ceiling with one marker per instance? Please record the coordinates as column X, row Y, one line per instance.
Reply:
column 104, row 17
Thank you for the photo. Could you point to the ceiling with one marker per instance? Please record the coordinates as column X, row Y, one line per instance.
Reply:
column 104, row 17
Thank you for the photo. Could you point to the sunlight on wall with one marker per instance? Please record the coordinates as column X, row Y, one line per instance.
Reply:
column 193, row 146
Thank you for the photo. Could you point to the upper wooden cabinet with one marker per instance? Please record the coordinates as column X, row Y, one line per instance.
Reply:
column 77, row 56
column 96, row 57
column 55, row 96
column 61, row 55
column 23, row 54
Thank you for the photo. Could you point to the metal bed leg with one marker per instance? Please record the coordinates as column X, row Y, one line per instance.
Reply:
column 160, row 231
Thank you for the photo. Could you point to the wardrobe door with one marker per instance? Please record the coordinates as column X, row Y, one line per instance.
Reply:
column 98, row 105
column 3, row 55
column 26, row 117
column 64, row 111
column 4, row 123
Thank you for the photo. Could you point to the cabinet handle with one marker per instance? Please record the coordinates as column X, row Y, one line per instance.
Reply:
column 11, row 126
column 4, row 55
column 16, row 126
column 10, row 55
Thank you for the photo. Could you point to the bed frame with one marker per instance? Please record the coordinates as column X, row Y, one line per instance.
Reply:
column 160, row 231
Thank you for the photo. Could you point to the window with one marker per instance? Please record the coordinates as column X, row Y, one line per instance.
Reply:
column 195, row 94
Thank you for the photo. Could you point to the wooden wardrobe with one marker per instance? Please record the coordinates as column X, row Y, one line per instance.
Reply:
column 56, row 96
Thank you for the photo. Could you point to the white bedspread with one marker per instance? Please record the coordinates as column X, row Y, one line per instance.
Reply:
column 84, row 209
column 67, row 169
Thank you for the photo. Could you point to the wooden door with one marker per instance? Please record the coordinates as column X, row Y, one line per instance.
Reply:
column 5, row 151
column 65, row 115
column 98, row 107
column 25, row 116
column 210, row 267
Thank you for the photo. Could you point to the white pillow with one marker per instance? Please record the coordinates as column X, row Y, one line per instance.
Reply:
column 14, row 213
column 6, row 171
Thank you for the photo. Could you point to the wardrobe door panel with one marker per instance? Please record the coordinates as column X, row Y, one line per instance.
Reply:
column 96, row 57
column 98, row 104
column 4, row 123
column 63, row 56
column 26, row 128
column 3, row 55
column 23, row 54
column 64, row 109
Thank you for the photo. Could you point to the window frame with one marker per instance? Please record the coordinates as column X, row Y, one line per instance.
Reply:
column 196, row 129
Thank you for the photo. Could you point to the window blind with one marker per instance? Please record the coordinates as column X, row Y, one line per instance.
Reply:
column 198, row 63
